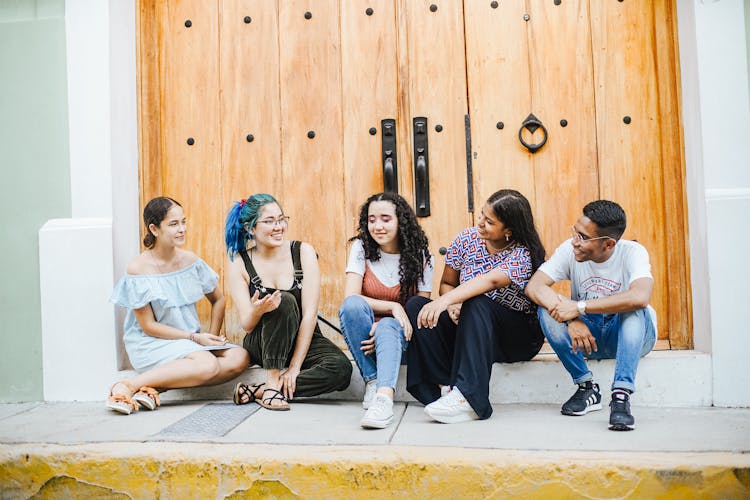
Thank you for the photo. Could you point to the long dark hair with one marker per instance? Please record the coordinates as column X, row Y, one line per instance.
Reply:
column 514, row 211
column 154, row 213
column 412, row 242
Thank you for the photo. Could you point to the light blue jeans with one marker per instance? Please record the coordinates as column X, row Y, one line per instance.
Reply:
column 625, row 337
column 356, row 318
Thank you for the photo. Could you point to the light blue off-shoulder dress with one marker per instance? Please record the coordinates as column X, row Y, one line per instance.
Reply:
column 172, row 297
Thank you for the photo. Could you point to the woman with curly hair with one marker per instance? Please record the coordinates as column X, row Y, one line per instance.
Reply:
column 389, row 263
column 482, row 315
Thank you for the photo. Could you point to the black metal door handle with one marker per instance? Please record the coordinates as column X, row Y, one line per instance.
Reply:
column 390, row 162
column 532, row 123
column 423, row 195
column 389, row 176
column 421, row 168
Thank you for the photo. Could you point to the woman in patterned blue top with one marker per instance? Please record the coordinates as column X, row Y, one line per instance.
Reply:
column 163, row 336
column 482, row 315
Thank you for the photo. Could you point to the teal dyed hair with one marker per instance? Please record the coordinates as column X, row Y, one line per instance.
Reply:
column 241, row 217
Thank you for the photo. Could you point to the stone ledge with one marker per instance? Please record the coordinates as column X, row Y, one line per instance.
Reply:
column 665, row 378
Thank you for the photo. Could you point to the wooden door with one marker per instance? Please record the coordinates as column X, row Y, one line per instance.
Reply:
column 284, row 97
column 589, row 71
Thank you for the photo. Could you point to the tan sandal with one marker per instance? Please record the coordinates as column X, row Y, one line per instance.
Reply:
column 120, row 402
column 148, row 397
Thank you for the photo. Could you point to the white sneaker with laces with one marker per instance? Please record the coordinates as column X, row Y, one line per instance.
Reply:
column 370, row 389
column 380, row 413
column 451, row 408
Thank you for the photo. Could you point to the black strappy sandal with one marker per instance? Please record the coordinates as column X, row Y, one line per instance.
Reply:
column 241, row 390
column 267, row 401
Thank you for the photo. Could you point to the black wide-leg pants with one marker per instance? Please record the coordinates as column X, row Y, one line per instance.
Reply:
column 462, row 355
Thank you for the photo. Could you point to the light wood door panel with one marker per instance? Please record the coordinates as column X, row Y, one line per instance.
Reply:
column 437, row 91
column 591, row 64
column 497, row 56
column 191, row 173
column 250, row 100
column 250, row 106
column 677, row 286
column 369, row 68
column 516, row 67
column 312, row 168
column 630, row 162
column 565, row 169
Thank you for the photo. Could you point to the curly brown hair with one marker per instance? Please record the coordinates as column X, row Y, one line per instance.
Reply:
column 412, row 243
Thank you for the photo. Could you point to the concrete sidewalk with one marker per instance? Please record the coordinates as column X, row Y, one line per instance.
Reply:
column 215, row 449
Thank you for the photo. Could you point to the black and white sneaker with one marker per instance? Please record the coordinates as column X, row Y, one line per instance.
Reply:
column 620, row 418
column 587, row 398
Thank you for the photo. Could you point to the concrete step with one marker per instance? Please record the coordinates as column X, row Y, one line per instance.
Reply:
column 665, row 378
column 317, row 450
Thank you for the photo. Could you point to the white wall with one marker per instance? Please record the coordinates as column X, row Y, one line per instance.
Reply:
column 694, row 185
column 87, row 43
column 101, row 68
column 103, row 107
column 724, row 100
column 722, row 77
column 78, row 341
column 124, row 146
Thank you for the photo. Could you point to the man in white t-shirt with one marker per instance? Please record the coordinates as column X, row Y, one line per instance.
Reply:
column 608, row 315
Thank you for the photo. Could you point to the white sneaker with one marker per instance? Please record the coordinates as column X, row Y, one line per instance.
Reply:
column 451, row 408
column 370, row 389
column 443, row 391
column 380, row 413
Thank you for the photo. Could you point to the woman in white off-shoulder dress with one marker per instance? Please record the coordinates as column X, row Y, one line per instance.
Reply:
column 162, row 332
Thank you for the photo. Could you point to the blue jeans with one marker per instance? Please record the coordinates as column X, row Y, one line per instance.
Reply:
column 356, row 318
column 625, row 337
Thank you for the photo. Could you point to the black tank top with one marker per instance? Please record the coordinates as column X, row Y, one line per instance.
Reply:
column 296, row 290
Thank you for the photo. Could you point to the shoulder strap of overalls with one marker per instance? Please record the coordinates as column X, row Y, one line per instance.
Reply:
column 250, row 268
column 297, row 261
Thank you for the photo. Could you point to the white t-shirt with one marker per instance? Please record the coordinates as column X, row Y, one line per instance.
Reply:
column 386, row 269
column 591, row 280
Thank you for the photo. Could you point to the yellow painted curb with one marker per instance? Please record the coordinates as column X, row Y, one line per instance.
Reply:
column 200, row 470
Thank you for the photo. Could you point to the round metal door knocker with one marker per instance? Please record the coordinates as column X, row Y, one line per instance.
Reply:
column 532, row 123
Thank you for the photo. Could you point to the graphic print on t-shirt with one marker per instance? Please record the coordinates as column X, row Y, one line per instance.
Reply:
column 594, row 287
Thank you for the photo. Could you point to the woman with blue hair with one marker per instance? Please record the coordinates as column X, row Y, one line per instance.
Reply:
column 275, row 286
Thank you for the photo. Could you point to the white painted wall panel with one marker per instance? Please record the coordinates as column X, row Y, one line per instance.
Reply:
column 78, row 333
column 724, row 100
column 729, row 272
